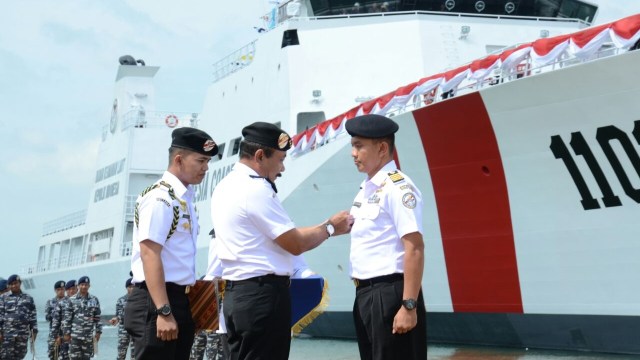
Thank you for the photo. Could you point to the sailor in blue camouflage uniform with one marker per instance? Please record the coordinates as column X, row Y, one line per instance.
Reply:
column 58, row 315
column 124, row 339
column 49, row 309
column 81, row 324
column 17, row 320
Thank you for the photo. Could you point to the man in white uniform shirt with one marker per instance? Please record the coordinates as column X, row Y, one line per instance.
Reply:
column 165, row 232
column 257, row 244
column 387, row 250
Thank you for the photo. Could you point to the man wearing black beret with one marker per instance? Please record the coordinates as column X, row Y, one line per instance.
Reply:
column 387, row 250
column 257, row 243
column 49, row 308
column 164, row 248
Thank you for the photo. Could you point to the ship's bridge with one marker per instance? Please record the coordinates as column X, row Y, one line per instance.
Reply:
column 574, row 9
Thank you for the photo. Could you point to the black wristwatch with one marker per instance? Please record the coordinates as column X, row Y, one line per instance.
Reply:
column 164, row 310
column 409, row 304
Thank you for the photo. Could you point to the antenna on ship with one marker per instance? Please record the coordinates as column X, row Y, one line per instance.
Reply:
column 130, row 60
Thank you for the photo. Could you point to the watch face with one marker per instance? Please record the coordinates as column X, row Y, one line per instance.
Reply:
column 330, row 229
column 165, row 310
column 409, row 304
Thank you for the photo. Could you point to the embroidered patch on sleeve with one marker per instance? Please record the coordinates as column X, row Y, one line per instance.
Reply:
column 164, row 201
column 409, row 200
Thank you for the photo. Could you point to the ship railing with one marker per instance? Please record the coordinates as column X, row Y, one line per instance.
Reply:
column 140, row 118
column 63, row 223
column 235, row 61
column 55, row 263
column 499, row 77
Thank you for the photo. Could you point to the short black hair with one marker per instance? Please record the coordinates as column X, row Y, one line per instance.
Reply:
column 248, row 149
column 390, row 140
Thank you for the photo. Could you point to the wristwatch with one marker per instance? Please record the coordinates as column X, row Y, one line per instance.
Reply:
column 164, row 310
column 409, row 304
column 330, row 228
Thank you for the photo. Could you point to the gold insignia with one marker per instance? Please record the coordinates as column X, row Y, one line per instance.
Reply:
column 283, row 141
column 395, row 177
column 409, row 200
column 209, row 145
column 183, row 205
column 186, row 226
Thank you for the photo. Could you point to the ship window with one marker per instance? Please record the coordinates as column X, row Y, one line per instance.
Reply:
column 290, row 37
column 309, row 119
column 220, row 153
column 235, row 149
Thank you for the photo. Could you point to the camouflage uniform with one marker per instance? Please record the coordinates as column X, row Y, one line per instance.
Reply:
column 17, row 322
column 124, row 339
column 81, row 316
column 49, row 310
column 208, row 342
column 56, row 327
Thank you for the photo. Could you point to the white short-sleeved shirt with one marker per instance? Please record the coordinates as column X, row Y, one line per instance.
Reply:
column 155, row 214
column 387, row 207
column 248, row 216
column 214, row 269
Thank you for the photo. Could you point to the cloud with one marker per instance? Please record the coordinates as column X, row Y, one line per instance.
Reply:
column 60, row 163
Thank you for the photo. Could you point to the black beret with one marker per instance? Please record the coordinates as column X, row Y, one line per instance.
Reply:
column 13, row 278
column 371, row 126
column 59, row 284
column 128, row 282
column 70, row 284
column 84, row 280
column 268, row 135
column 195, row 140
column 3, row 284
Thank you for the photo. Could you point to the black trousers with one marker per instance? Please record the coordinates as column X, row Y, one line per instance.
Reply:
column 257, row 313
column 373, row 311
column 140, row 322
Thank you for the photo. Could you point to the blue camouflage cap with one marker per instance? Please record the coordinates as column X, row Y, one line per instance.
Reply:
column 59, row 284
column 13, row 278
column 84, row 280
column 71, row 283
column 3, row 285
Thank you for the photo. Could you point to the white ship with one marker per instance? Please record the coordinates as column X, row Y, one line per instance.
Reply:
column 528, row 242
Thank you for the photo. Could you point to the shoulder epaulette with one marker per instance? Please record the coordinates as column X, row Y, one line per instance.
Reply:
column 395, row 176
column 172, row 195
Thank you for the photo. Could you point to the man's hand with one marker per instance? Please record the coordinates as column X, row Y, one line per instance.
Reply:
column 58, row 341
column 404, row 321
column 167, row 328
column 113, row 321
column 98, row 336
column 67, row 338
column 342, row 222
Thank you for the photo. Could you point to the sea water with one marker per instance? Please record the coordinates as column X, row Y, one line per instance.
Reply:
column 329, row 349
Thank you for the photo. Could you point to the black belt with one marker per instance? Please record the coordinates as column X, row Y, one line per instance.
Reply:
column 264, row 279
column 171, row 287
column 379, row 279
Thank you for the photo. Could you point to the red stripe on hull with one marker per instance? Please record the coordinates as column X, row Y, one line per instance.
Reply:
column 473, row 205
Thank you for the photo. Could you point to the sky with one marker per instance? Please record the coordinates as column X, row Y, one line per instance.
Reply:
column 58, row 61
